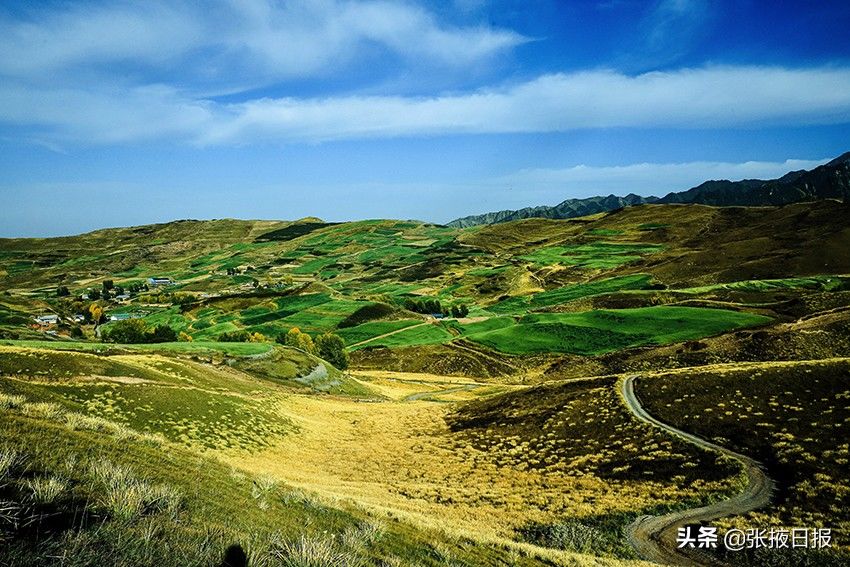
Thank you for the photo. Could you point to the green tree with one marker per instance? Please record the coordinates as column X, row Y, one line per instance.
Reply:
column 331, row 347
column 108, row 284
column 62, row 291
column 129, row 331
column 240, row 336
column 296, row 339
column 161, row 334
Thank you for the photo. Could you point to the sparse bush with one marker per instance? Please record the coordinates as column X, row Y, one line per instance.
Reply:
column 570, row 535
column 363, row 534
column 296, row 496
column 10, row 513
column 78, row 421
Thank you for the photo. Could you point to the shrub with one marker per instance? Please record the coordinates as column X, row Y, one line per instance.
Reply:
column 331, row 347
column 161, row 334
column 134, row 331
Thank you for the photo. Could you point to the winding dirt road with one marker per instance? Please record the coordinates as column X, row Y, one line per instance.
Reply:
column 654, row 537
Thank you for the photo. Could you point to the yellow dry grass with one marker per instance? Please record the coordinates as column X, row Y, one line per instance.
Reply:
column 397, row 457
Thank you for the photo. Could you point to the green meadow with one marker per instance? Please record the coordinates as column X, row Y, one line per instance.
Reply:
column 601, row 331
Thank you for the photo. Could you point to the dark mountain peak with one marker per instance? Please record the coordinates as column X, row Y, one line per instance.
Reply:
column 840, row 160
column 828, row 181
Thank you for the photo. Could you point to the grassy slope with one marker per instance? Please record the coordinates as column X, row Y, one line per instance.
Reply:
column 68, row 418
column 596, row 332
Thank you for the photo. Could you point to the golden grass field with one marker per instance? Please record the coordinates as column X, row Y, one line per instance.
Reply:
column 398, row 457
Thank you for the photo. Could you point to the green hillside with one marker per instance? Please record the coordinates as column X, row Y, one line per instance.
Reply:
column 388, row 392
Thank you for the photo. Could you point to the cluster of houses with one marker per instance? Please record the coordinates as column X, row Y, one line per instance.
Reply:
column 48, row 320
column 51, row 319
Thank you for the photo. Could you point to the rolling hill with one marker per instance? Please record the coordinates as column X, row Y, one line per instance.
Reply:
column 479, row 420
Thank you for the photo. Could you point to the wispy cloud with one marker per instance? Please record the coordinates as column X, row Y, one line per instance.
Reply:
column 708, row 97
column 669, row 30
column 253, row 39
column 688, row 98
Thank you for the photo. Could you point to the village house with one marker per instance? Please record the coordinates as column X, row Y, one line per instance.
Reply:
column 156, row 282
column 125, row 316
column 45, row 320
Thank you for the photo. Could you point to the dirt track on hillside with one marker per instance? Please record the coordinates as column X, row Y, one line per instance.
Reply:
column 654, row 537
column 388, row 334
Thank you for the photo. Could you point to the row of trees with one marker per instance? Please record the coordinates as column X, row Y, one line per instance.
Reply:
column 133, row 331
column 328, row 346
column 431, row 306
column 241, row 336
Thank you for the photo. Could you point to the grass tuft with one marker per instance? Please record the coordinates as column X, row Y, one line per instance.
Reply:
column 127, row 497
column 43, row 410
column 46, row 490
column 10, row 459
column 11, row 401
column 313, row 552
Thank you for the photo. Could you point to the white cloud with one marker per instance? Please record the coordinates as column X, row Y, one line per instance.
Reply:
column 710, row 97
column 688, row 98
column 104, row 116
column 253, row 39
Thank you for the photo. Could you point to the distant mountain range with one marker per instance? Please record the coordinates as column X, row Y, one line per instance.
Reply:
column 828, row 181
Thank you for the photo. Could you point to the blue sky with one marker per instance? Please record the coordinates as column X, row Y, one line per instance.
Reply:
column 123, row 113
